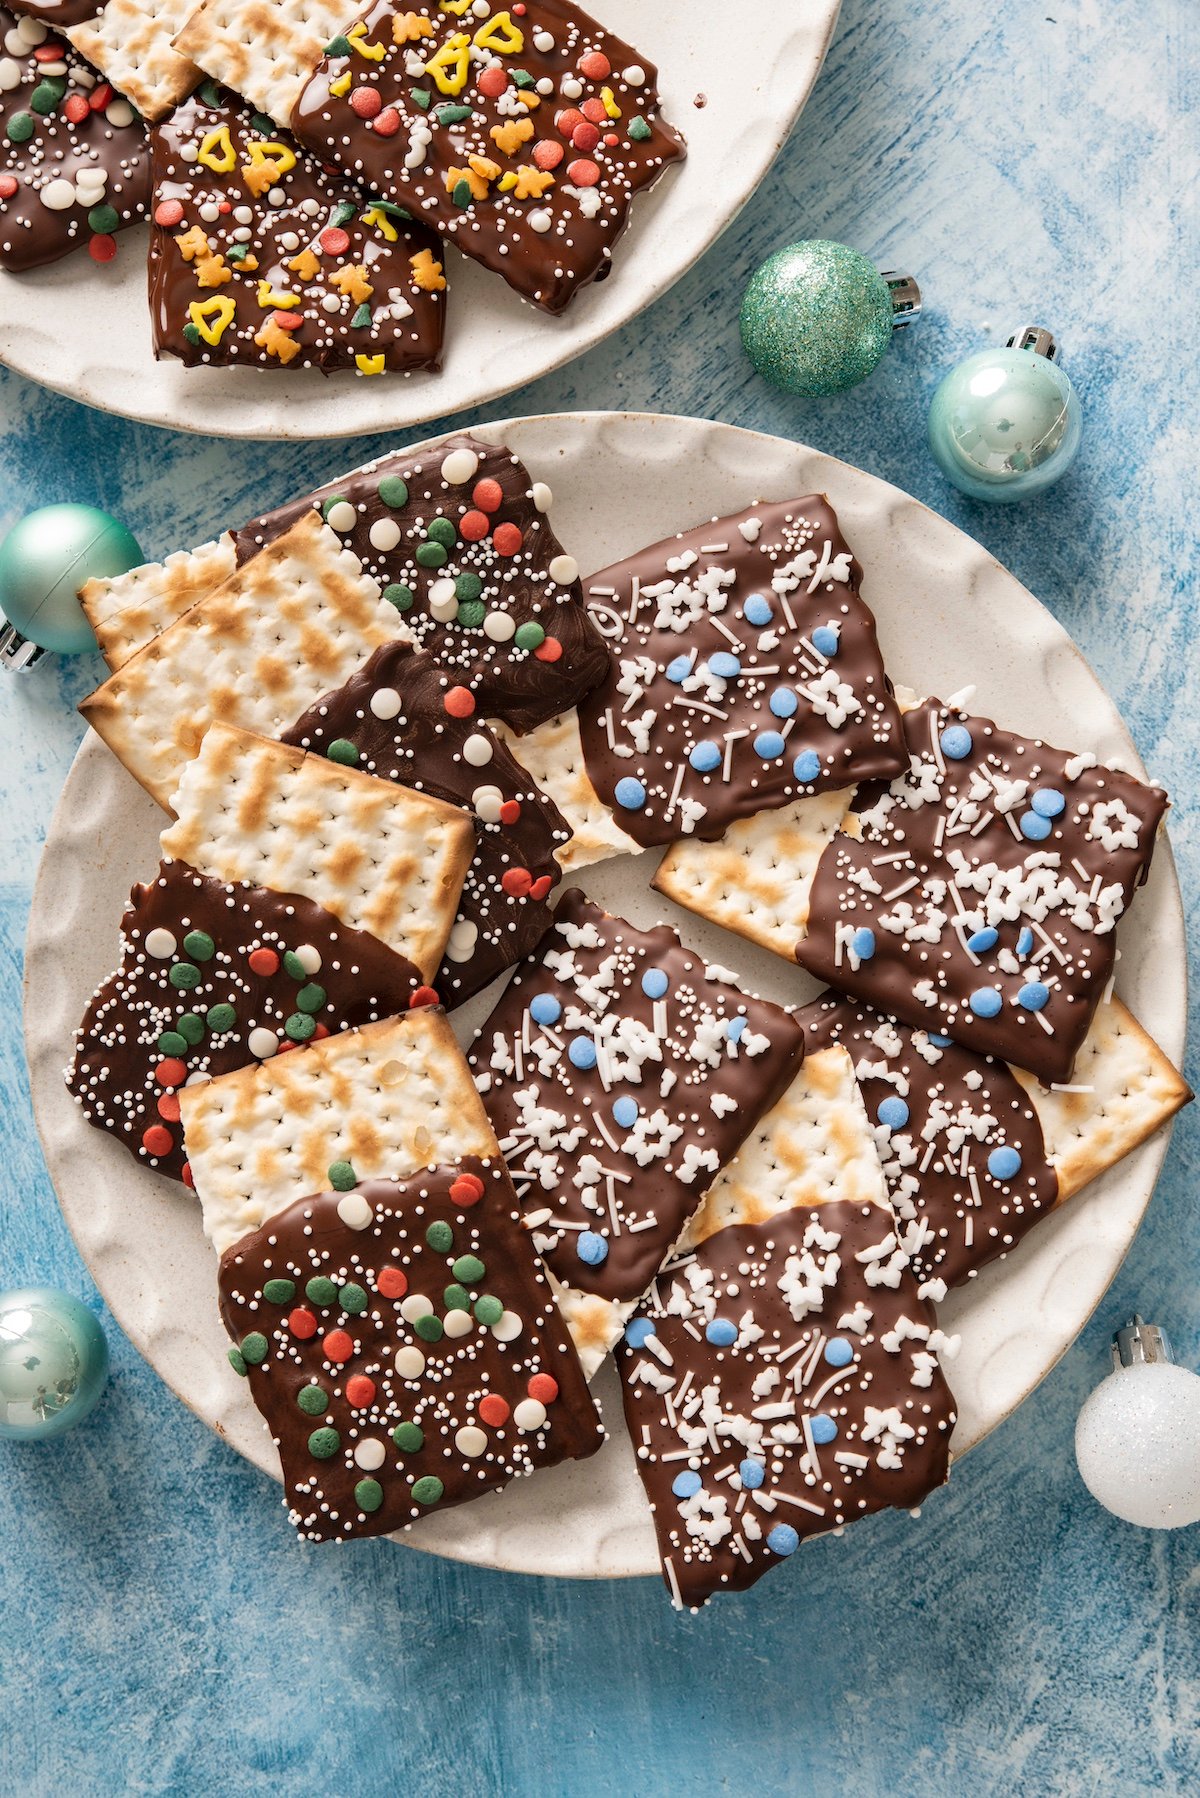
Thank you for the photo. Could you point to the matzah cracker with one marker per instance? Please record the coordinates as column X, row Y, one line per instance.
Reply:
column 264, row 50
column 782, row 1377
column 389, row 1100
column 379, row 857
column 553, row 753
column 127, row 611
column 289, row 625
column 130, row 43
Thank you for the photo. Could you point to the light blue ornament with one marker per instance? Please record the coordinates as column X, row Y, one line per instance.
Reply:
column 1006, row 424
column 53, row 1363
column 44, row 560
column 817, row 317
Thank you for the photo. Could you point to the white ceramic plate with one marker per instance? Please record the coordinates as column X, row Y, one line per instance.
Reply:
column 86, row 331
column 948, row 615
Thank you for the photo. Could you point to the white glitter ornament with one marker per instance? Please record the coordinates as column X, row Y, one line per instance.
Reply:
column 1137, row 1440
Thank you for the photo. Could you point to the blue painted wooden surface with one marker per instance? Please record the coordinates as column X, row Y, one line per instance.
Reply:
column 159, row 1629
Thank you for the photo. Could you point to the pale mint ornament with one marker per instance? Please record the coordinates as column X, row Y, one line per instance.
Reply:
column 53, row 1363
column 44, row 560
column 1006, row 423
column 1137, row 1440
column 817, row 317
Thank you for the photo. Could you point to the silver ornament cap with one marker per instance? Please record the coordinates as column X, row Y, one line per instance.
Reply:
column 1035, row 338
column 17, row 653
column 1141, row 1343
column 906, row 298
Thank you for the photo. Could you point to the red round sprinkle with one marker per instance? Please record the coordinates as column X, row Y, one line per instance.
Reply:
column 302, row 1323
column 100, row 97
column 507, row 539
column 493, row 1410
column 424, row 995
column 516, row 882
column 466, row 1190
column 75, row 108
column 488, row 495
column 187, row 1176
column 549, row 651
column 224, row 206
column 366, row 102
column 541, row 886
column 360, row 1391
column 157, row 1140
column 334, row 241
column 388, row 123
column 474, row 526
column 264, row 962
column 583, row 173
column 51, row 51
column 337, row 1346
column 543, row 1387
column 585, row 137
column 492, row 82
column 611, row 139
column 286, row 1047
column 566, row 121
column 170, row 1072
column 519, row 11
column 391, row 1282
column 102, row 247
column 8, row 186
column 593, row 110
column 167, row 1107
column 321, row 1031
column 510, row 811
column 460, row 701
column 168, row 213
column 595, row 65
column 548, row 155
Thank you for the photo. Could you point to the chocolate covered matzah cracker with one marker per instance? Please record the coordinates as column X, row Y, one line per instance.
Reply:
column 401, row 718
column 127, row 611
column 260, row 255
column 130, row 41
column 621, row 1073
column 264, row 50
column 782, row 1377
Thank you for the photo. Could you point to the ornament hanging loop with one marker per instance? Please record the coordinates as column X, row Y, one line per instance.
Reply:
column 1140, row 1342
column 906, row 298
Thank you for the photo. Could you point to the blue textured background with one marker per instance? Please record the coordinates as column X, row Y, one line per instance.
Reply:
column 159, row 1629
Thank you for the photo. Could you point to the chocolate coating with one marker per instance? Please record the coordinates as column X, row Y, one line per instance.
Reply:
column 63, row 13
column 117, row 1073
column 1009, row 837
column 788, row 1288
column 528, row 588
column 519, row 173
column 465, row 1399
column 718, row 699
column 697, row 1091
column 502, row 913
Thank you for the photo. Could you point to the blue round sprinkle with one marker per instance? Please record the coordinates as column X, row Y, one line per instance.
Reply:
column 1033, row 828
column 940, row 1042
column 823, row 1429
column 1033, row 996
column 956, row 742
column 678, row 668
column 1048, row 802
column 839, row 1352
column 630, row 793
column 783, row 703
column 581, row 1052
column 983, row 940
column 591, row 1248
column 825, row 639
column 752, row 1474
column 545, row 1009
column 863, row 943
column 783, row 1540
column 721, row 1333
column 769, row 745
column 1004, row 1164
column 686, row 1485
column 736, row 1029
column 725, row 666
column 638, row 1332
column 757, row 609
column 625, row 1112
column 705, row 757
column 894, row 1113
column 985, row 1002
column 806, row 766
column 654, row 983
column 1025, row 941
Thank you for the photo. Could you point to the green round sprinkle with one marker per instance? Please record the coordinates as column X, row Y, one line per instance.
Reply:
column 300, row 1027
column 312, row 1400
column 469, row 1270
column 335, row 499
column 368, row 1495
column 184, row 976
column 408, row 1438
column 171, row 1042
column 342, row 1176
column 254, row 1348
column 399, row 595
column 429, row 1328
column 320, row 1290
column 340, row 750
column 353, row 1298
column 529, row 636
column 103, row 218
column 471, row 613
column 392, row 491
column 431, row 555
column 442, row 531
column 19, row 129
column 440, row 1236
column 220, row 1017
column 279, row 1292
column 428, row 1490
column 310, row 997
column 468, row 586
column 190, row 1028
column 44, row 99
column 488, row 1309
column 323, row 1443
column 456, row 1298
column 293, row 967
column 237, row 1361
column 199, row 945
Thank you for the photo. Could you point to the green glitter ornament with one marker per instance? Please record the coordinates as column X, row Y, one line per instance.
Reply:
column 817, row 317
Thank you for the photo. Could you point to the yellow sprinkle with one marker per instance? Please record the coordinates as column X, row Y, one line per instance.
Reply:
column 501, row 35
column 217, row 152
column 264, row 150
column 609, row 102
column 370, row 365
column 212, row 318
column 451, row 65
column 338, row 87
column 508, row 182
column 375, row 215
column 267, row 296
column 357, row 35
column 457, row 7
